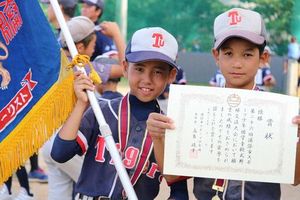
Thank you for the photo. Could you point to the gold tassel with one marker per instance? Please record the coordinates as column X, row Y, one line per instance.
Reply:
column 82, row 60
column 37, row 126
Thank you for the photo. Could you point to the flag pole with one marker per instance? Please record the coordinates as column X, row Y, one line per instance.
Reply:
column 103, row 126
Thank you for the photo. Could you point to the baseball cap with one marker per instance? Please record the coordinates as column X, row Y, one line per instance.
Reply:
column 98, row 3
column 64, row 3
column 80, row 27
column 242, row 23
column 153, row 43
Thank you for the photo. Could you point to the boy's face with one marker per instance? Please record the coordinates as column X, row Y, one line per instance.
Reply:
column 147, row 80
column 238, row 61
column 90, row 11
column 89, row 49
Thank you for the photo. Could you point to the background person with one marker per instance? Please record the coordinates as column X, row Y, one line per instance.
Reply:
column 93, row 9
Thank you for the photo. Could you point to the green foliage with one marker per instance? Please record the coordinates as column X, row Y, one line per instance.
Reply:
column 192, row 21
column 278, row 16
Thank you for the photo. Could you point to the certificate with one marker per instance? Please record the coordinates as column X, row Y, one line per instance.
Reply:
column 231, row 134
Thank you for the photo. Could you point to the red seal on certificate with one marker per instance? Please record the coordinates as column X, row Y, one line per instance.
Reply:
column 233, row 100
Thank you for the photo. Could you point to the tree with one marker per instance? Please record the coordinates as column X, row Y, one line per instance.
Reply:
column 191, row 21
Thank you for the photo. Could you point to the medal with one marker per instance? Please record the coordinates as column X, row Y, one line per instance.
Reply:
column 219, row 186
column 216, row 197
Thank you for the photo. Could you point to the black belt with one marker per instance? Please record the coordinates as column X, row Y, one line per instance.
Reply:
column 83, row 197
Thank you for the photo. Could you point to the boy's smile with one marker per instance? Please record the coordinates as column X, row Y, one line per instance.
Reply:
column 147, row 80
column 238, row 60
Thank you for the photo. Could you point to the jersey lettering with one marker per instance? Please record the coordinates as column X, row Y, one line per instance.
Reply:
column 154, row 168
column 118, row 148
column 131, row 155
column 100, row 146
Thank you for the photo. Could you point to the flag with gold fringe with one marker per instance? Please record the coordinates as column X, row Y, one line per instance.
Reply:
column 35, row 96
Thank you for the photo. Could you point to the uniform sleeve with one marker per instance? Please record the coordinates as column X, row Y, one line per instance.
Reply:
column 102, row 69
column 267, row 74
column 213, row 80
column 179, row 190
column 104, row 45
column 181, row 77
column 64, row 150
column 88, row 131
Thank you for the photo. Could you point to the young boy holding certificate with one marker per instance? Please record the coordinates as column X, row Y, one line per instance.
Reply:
column 240, row 39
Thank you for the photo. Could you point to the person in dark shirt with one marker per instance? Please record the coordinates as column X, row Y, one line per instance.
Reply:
column 93, row 9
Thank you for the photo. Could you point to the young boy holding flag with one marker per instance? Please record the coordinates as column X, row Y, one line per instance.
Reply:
column 149, row 66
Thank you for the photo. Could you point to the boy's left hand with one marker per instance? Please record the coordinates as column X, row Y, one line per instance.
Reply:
column 296, row 120
column 157, row 124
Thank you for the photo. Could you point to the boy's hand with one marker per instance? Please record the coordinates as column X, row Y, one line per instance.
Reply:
column 296, row 120
column 157, row 124
column 110, row 29
column 270, row 81
column 81, row 84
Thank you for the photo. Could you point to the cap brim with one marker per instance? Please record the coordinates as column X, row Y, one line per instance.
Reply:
column 144, row 56
column 252, row 37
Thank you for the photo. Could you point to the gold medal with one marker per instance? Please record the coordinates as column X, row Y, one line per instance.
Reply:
column 218, row 186
column 216, row 197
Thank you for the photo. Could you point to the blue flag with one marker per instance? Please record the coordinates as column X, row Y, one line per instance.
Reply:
column 34, row 99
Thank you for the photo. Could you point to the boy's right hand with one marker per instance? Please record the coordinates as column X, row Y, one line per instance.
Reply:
column 110, row 29
column 157, row 124
column 81, row 84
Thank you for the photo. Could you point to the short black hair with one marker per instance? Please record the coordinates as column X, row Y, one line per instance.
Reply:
column 87, row 39
column 261, row 47
column 70, row 12
column 114, row 80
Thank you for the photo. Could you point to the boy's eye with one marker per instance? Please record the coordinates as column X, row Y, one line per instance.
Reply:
column 248, row 54
column 227, row 53
column 158, row 72
column 140, row 69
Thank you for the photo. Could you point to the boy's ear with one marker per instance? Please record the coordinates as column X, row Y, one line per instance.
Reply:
column 172, row 76
column 125, row 68
column 80, row 47
column 264, row 57
column 215, row 54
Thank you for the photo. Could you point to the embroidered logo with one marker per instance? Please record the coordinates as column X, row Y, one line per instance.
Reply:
column 158, row 40
column 235, row 18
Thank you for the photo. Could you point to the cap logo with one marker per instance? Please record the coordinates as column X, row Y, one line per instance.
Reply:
column 234, row 17
column 158, row 40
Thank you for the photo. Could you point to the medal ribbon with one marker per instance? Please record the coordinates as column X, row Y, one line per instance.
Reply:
column 124, row 131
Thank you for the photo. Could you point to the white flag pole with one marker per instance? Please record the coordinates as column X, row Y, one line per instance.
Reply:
column 103, row 126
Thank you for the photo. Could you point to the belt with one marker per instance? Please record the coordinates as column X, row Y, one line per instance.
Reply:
column 85, row 197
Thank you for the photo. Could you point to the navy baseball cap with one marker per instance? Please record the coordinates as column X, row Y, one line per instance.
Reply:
column 153, row 43
column 64, row 3
column 98, row 3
